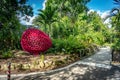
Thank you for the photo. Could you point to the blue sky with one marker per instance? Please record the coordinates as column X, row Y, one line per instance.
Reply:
column 36, row 4
column 101, row 5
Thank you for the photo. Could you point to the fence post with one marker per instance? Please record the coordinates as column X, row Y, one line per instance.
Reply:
column 9, row 71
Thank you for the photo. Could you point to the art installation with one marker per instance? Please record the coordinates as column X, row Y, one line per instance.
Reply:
column 35, row 41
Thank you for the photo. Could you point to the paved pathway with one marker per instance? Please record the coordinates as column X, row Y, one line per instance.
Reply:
column 96, row 67
column 78, row 72
column 103, row 56
column 100, row 59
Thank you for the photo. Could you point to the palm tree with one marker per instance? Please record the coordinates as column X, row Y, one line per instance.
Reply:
column 116, row 11
column 46, row 17
column 116, row 23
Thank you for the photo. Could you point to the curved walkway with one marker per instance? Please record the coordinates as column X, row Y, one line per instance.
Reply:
column 101, row 59
column 96, row 67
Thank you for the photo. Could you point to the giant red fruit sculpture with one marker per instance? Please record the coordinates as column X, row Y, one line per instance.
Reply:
column 35, row 41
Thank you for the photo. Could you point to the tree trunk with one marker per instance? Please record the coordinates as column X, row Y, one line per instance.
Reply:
column 50, row 30
column 116, row 55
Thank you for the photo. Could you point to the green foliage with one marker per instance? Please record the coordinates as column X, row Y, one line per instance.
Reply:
column 46, row 18
column 69, row 45
column 57, row 13
column 6, row 55
column 67, row 22
column 10, row 28
column 71, row 27
column 116, row 26
column 42, row 58
column 73, row 44
column 116, row 45
column 10, row 36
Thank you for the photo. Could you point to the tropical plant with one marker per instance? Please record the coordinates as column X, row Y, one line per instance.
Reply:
column 74, row 29
column 46, row 17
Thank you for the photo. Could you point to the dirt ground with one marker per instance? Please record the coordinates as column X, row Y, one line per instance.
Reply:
column 21, row 57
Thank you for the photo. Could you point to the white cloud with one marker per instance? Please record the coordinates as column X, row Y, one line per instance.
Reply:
column 99, row 12
column 33, row 5
column 27, row 22
column 44, row 4
column 106, row 17
column 90, row 11
column 105, row 14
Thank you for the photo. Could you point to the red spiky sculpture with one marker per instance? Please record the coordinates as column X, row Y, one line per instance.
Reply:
column 35, row 41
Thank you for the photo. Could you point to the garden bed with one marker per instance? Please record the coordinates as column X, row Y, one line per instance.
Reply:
column 22, row 62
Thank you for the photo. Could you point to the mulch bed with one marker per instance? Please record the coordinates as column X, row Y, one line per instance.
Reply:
column 22, row 57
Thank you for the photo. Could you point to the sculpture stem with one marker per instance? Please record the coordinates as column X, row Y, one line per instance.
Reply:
column 36, row 54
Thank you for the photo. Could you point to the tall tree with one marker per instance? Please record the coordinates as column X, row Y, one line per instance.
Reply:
column 10, row 27
column 116, row 23
column 10, row 8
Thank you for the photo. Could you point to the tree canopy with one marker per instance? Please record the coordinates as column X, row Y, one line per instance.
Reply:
column 69, row 24
column 10, row 30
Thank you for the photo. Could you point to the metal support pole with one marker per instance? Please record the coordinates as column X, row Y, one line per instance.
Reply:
column 9, row 71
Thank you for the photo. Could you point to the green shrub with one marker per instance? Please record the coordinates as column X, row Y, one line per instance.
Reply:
column 116, row 44
column 68, row 45
column 6, row 55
